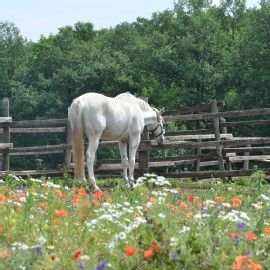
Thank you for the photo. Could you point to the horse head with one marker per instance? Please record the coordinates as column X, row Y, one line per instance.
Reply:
column 157, row 128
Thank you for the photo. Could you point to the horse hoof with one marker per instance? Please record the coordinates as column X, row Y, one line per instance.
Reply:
column 97, row 189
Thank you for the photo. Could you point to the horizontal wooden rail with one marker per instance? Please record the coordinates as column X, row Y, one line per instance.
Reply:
column 35, row 150
column 242, row 158
column 4, row 146
column 189, row 132
column 37, row 130
column 198, row 137
column 152, row 145
column 247, row 149
column 5, row 120
column 35, row 123
column 246, row 123
column 174, row 118
column 211, row 174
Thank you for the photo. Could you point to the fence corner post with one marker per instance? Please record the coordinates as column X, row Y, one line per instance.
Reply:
column 216, row 129
column 6, row 135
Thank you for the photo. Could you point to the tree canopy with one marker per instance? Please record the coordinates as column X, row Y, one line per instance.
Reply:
column 182, row 57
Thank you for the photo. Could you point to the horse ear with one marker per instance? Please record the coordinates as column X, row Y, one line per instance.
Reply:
column 162, row 110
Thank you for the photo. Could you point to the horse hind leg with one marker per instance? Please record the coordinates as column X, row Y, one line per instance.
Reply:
column 133, row 146
column 90, row 159
column 124, row 160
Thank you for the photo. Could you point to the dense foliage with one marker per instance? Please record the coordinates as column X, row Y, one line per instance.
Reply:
column 181, row 57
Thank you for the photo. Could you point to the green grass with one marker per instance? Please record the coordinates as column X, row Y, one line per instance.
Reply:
column 53, row 224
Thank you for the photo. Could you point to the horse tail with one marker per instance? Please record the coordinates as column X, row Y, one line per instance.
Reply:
column 75, row 118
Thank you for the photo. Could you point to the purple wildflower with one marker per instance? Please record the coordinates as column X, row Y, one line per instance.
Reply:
column 236, row 241
column 81, row 265
column 39, row 250
column 101, row 266
column 20, row 188
column 217, row 243
column 241, row 226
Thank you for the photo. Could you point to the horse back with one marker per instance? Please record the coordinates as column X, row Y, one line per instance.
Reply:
column 110, row 118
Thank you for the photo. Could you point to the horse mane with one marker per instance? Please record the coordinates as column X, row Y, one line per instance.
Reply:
column 143, row 105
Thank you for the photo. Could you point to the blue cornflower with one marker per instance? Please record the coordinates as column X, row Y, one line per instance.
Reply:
column 236, row 241
column 20, row 188
column 101, row 266
column 81, row 265
column 241, row 226
column 39, row 250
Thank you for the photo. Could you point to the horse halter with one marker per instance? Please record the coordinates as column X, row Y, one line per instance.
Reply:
column 152, row 131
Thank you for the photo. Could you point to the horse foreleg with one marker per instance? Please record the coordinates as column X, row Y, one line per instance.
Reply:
column 90, row 159
column 133, row 146
column 124, row 160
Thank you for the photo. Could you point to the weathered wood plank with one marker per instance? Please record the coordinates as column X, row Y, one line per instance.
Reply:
column 249, row 149
column 188, row 132
column 246, row 123
column 35, row 123
column 211, row 174
column 243, row 158
column 6, row 146
column 198, row 137
column 174, row 118
column 5, row 120
column 37, row 130
column 26, row 151
column 152, row 145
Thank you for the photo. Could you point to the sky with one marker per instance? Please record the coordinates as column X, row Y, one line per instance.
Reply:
column 44, row 17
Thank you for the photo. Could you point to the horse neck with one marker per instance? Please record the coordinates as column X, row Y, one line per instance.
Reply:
column 149, row 114
column 150, row 117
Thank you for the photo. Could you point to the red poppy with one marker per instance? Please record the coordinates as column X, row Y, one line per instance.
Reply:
column 99, row 195
column 199, row 202
column 219, row 199
column 153, row 200
column 236, row 202
column 130, row 251
column 250, row 236
column 267, row 230
column 5, row 254
column 2, row 199
column 43, row 205
column 189, row 215
column 155, row 248
column 148, row 253
column 191, row 198
column 77, row 254
column 1, row 229
column 61, row 213
column 87, row 204
column 81, row 191
column 176, row 208
column 183, row 205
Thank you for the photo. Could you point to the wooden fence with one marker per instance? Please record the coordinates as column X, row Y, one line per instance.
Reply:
column 207, row 151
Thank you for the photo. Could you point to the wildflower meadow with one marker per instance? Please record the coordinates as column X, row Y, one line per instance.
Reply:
column 159, row 224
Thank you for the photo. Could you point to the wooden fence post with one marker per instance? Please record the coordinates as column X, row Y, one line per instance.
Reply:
column 6, row 135
column 144, row 155
column 246, row 162
column 216, row 129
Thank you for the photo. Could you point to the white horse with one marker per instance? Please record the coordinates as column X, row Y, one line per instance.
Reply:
column 119, row 119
